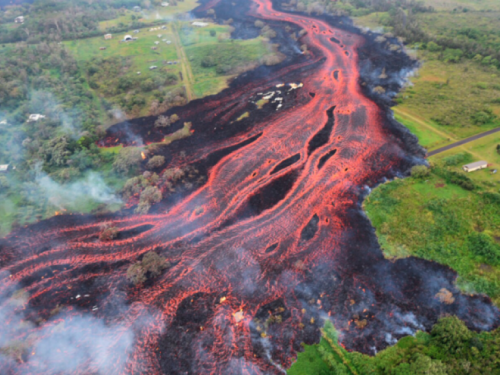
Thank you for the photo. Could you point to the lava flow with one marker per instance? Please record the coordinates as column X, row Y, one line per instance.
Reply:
column 271, row 244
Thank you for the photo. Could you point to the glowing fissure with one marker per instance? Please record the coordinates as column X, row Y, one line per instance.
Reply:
column 299, row 248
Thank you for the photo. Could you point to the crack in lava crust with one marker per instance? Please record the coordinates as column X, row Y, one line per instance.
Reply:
column 307, row 250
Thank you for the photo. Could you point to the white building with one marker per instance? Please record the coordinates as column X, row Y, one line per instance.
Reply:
column 475, row 166
column 4, row 168
column 165, row 4
column 35, row 117
column 19, row 19
column 127, row 38
column 108, row 36
column 199, row 24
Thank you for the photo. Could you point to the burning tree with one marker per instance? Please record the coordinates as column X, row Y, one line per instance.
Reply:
column 151, row 266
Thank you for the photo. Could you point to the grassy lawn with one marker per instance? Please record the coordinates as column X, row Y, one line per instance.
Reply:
column 436, row 219
column 139, row 51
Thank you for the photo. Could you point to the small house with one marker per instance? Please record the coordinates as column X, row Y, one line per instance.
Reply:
column 159, row 35
column 4, row 168
column 475, row 166
column 164, row 4
column 199, row 24
column 108, row 36
column 35, row 117
column 157, row 42
column 136, row 31
column 3, row 122
column 168, row 42
column 153, row 67
column 19, row 19
column 128, row 38
column 137, row 8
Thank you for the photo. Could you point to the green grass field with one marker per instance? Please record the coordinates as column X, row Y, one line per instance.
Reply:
column 139, row 51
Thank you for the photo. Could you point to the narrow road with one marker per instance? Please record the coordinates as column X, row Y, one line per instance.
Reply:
column 187, row 74
column 463, row 141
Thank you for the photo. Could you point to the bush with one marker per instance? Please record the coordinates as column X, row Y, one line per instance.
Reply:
column 156, row 162
column 420, row 171
column 149, row 196
column 109, row 232
column 454, row 160
column 127, row 159
column 151, row 266
column 482, row 245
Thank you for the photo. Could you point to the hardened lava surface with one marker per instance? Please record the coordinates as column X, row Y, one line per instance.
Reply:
column 276, row 229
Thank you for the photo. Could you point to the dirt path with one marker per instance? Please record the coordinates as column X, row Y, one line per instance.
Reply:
column 187, row 74
column 403, row 113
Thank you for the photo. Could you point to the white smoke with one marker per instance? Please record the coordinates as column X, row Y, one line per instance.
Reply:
column 92, row 187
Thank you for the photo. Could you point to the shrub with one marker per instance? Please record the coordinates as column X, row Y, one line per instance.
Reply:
column 156, row 162
column 162, row 122
column 420, row 171
column 109, row 232
column 150, row 266
column 482, row 245
column 127, row 159
column 433, row 47
column 149, row 196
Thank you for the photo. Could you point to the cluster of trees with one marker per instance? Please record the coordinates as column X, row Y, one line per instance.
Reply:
column 450, row 348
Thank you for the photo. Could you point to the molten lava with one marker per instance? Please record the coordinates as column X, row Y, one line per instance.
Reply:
column 279, row 245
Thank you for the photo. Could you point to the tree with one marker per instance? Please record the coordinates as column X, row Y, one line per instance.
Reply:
column 127, row 159
column 162, row 122
column 150, row 266
column 498, row 149
column 149, row 196
column 174, row 118
column 109, row 232
column 156, row 162
column 259, row 24
column 451, row 334
column 213, row 33
column 420, row 171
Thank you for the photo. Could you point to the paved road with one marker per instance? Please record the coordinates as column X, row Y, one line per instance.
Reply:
column 462, row 142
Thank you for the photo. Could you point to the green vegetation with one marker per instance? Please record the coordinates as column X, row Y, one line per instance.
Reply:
column 442, row 214
column 450, row 348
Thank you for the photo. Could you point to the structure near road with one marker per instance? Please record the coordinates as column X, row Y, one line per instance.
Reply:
column 475, row 166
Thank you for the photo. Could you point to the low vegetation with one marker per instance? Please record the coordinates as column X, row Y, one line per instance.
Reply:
column 450, row 348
